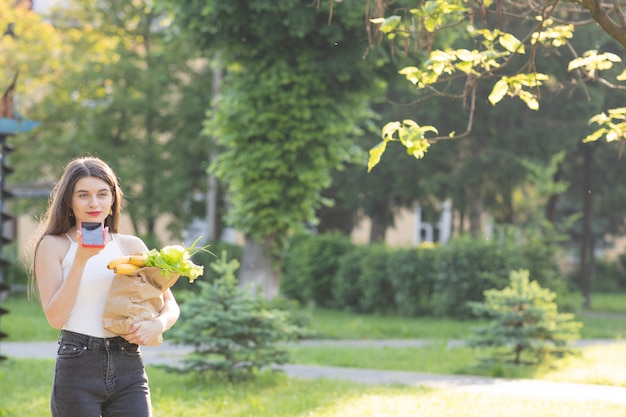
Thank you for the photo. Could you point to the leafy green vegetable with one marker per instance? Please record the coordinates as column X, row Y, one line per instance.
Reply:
column 177, row 259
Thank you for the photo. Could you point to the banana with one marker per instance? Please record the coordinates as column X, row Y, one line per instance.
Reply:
column 126, row 269
column 137, row 260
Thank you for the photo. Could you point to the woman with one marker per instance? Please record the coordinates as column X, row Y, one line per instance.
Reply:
column 97, row 373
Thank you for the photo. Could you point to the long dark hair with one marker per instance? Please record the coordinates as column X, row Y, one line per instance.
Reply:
column 58, row 218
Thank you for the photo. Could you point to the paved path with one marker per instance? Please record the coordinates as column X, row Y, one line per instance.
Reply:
column 169, row 355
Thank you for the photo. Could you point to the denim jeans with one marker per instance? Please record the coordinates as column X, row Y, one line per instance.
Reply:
column 97, row 377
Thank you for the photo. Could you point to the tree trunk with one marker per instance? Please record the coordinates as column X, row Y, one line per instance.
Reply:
column 211, row 203
column 377, row 232
column 475, row 212
column 381, row 216
column 586, row 244
column 259, row 270
column 551, row 206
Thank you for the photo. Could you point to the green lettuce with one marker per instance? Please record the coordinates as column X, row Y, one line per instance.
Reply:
column 177, row 259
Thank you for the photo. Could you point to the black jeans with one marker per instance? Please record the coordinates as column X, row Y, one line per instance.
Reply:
column 97, row 377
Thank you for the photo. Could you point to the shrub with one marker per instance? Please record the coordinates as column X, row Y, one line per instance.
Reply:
column 374, row 282
column 524, row 320
column 467, row 268
column 332, row 272
column 311, row 266
column 609, row 275
column 413, row 273
column 346, row 290
column 234, row 332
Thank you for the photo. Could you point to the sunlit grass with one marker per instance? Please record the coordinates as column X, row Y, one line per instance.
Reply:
column 452, row 403
column 602, row 365
column 25, row 387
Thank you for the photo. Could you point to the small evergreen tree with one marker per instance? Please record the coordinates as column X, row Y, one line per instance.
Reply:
column 233, row 331
column 525, row 318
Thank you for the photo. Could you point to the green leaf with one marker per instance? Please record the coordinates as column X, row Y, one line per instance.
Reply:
column 430, row 24
column 411, row 73
column 600, row 119
column 595, row 135
column 613, row 135
column 466, row 55
column 466, row 67
column 389, row 24
column 375, row 154
column 499, row 91
column 440, row 56
column 419, row 148
column 530, row 100
column 389, row 130
column 511, row 44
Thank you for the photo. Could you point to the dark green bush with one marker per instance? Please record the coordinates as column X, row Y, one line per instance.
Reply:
column 311, row 266
column 347, row 292
column 374, row 281
column 295, row 272
column 413, row 273
column 467, row 268
column 332, row 272
column 609, row 275
column 540, row 260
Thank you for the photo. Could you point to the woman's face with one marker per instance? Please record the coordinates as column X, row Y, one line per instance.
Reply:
column 91, row 200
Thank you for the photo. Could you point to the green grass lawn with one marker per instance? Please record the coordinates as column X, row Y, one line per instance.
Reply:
column 609, row 303
column 331, row 324
column 26, row 322
column 275, row 395
column 25, row 384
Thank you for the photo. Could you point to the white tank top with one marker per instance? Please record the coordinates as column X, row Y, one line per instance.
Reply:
column 86, row 316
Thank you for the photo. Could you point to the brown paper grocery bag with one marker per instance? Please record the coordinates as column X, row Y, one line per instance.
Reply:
column 135, row 298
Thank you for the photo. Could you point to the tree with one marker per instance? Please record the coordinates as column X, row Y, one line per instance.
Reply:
column 398, row 182
column 25, row 41
column 497, row 34
column 132, row 94
column 498, row 48
column 295, row 91
column 525, row 320
column 236, row 333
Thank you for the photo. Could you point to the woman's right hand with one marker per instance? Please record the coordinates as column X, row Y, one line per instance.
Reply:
column 83, row 253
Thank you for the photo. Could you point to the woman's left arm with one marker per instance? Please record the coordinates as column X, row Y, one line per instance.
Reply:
column 170, row 312
column 149, row 332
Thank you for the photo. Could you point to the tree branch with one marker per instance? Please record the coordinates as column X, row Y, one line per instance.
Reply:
column 601, row 16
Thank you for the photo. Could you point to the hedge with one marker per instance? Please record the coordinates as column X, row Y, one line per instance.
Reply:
column 330, row 271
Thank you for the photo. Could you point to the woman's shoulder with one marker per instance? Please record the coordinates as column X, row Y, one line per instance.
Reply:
column 55, row 241
column 130, row 244
column 55, row 244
